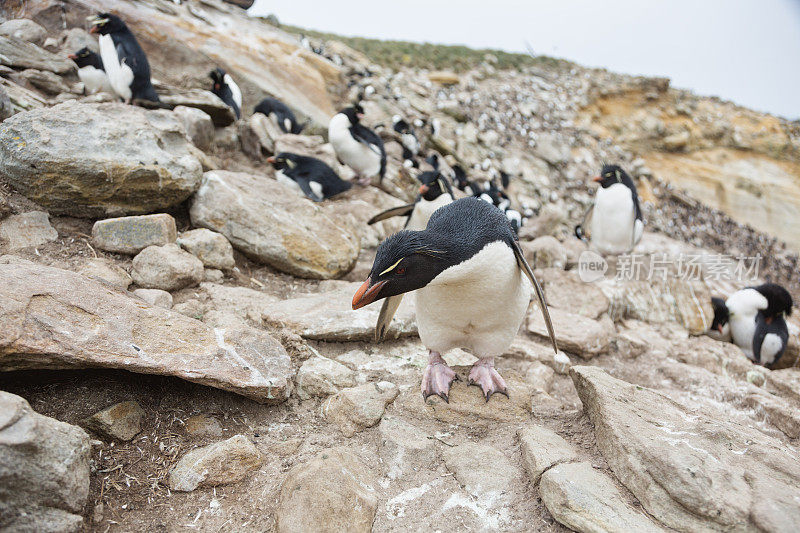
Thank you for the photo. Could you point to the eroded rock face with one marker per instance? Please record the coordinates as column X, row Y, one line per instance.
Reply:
column 26, row 229
column 575, row 333
column 693, row 471
column 96, row 160
column 52, row 318
column 17, row 53
column 266, row 221
column 359, row 408
column 44, row 470
column 332, row 492
column 585, row 499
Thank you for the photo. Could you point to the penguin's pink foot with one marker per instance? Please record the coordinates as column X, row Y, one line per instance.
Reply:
column 484, row 375
column 437, row 378
column 364, row 181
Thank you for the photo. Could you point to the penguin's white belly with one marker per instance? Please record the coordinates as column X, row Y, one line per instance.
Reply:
column 236, row 93
column 120, row 75
column 743, row 328
column 423, row 211
column 358, row 156
column 94, row 80
column 289, row 182
column 612, row 222
column 477, row 305
column 770, row 347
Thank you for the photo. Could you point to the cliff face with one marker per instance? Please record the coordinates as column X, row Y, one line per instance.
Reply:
column 742, row 162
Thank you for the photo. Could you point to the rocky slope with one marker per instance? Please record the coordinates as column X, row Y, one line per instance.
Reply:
column 161, row 290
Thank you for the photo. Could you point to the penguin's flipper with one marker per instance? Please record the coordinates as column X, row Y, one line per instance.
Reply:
column 638, row 230
column 305, row 186
column 403, row 210
column 368, row 137
column 388, row 309
column 526, row 268
column 580, row 229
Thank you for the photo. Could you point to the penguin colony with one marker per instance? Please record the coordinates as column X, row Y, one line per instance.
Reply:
column 458, row 253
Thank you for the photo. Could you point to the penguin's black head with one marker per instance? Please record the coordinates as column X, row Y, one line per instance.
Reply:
column 611, row 174
column 406, row 261
column 505, row 179
column 283, row 160
column 354, row 114
column 218, row 75
column 721, row 314
column 85, row 57
column 400, row 125
column 105, row 23
column 779, row 301
column 433, row 185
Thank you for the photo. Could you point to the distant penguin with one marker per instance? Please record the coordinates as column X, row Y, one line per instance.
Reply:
column 91, row 72
column 227, row 90
column 124, row 60
column 434, row 192
column 408, row 138
column 720, row 326
column 281, row 114
column 757, row 325
column 614, row 222
column 357, row 146
column 310, row 175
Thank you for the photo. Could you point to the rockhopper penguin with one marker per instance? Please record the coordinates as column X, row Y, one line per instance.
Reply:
column 357, row 146
column 123, row 59
column 309, row 175
column 614, row 223
column 281, row 114
column 227, row 90
column 756, row 321
column 472, row 287
column 91, row 72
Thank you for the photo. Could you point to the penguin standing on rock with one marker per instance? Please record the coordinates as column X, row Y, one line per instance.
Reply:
column 123, row 59
column 614, row 222
column 408, row 140
column 357, row 146
column 91, row 71
column 756, row 321
column 281, row 114
column 227, row 90
column 472, row 286
column 311, row 176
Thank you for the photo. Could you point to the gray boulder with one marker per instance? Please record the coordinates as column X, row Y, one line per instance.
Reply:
column 693, row 470
column 210, row 247
column 96, row 160
column 131, row 235
column 19, row 54
column 198, row 124
column 44, row 470
column 23, row 29
column 265, row 220
column 167, row 268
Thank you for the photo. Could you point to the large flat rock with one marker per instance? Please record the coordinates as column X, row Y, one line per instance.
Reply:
column 692, row 470
column 19, row 54
column 52, row 318
column 267, row 221
column 329, row 316
column 97, row 160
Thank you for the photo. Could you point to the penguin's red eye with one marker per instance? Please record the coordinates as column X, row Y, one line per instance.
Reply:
column 401, row 271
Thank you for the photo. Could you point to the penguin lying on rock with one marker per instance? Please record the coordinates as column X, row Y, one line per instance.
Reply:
column 91, row 71
column 124, row 60
column 614, row 223
column 753, row 319
column 472, row 286
column 310, row 175
column 281, row 114
column 227, row 90
column 357, row 146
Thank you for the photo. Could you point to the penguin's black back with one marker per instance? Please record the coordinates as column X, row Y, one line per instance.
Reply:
column 467, row 225
column 128, row 49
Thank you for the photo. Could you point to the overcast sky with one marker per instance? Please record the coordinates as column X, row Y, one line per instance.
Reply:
column 747, row 51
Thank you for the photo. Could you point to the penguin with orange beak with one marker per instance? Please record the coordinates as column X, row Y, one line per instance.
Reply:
column 472, row 286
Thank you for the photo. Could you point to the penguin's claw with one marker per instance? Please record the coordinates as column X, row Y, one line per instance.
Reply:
column 436, row 381
column 490, row 381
